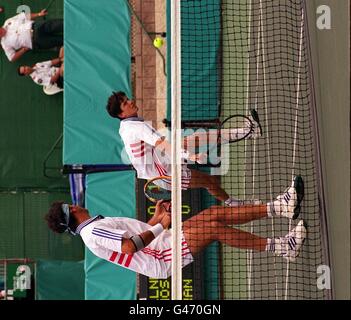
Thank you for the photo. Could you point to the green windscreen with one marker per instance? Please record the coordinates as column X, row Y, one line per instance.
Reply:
column 98, row 59
column 199, row 73
column 59, row 280
column 110, row 194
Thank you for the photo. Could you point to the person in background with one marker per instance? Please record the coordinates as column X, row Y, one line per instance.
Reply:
column 22, row 33
column 46, row 73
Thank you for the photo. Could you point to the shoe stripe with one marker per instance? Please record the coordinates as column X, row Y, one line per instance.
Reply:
column 272, row 246
column 272, row 209
column 292, row 243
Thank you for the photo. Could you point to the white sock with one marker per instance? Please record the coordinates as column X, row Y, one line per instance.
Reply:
column 270, row 246
column 233, row 202
column 273, row 208
column 236, row 134
column 233, row 134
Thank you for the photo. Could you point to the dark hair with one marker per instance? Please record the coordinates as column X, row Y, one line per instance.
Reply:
column 114, row 104
column 19, row 71
column 56, row 216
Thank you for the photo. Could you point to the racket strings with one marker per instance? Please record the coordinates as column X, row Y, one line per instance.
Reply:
column 155, row 192
column 236, row 128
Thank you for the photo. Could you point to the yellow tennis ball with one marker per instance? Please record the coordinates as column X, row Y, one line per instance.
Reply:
column 158, row 42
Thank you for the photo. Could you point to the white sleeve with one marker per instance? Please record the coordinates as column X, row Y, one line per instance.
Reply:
column 44, row 64
column 148, row 134
column 9, row 51
column 109, row 238
column 15, row 19
column 27, row 16
column 22, row 15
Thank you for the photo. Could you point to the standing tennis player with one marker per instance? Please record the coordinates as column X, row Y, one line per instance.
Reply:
column 148, row 151
column 146, row 247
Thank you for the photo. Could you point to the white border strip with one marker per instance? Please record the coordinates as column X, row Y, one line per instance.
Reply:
column 286, row 293
column 175, row 154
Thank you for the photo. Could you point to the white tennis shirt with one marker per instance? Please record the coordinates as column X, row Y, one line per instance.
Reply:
column 43, row 72
column 103, row 237
column 18, row 34
column 139, row 140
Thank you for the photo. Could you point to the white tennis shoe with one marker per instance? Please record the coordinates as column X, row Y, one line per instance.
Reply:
column 289, row 246
column 288, row 204
column 257, row 128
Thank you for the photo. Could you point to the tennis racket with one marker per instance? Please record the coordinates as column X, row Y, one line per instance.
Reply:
column 47, row 7
column 234, row 129
column 154, row 190
column 231, row 130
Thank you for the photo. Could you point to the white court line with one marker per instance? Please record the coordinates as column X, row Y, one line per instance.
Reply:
column 295, row 135
column 268, row 138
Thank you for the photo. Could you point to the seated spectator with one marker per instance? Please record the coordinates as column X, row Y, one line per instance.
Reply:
column 46, row 73
column 21, row 33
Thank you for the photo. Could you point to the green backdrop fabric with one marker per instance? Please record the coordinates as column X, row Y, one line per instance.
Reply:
column 110, row 194
column 60, row 280
column 201, row 40
column 24, row 231
column 97, row 61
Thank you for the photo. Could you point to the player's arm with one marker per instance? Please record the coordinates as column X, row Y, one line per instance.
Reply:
column 164, row 146
column 55, row 61
column 42, row 13
column 19, row 53
column 140, row 241
column 132, row 245
column 152, row 137
column 55, row 77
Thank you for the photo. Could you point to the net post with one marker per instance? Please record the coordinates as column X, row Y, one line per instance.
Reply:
column 175, row 152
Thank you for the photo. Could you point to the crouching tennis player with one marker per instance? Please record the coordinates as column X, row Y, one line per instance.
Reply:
column 146, row 247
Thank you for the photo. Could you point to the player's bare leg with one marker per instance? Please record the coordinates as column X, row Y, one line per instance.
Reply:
column 61, row 70
column 61, row 53
column 199, row 234
column 231, row 215
column 211, row 183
